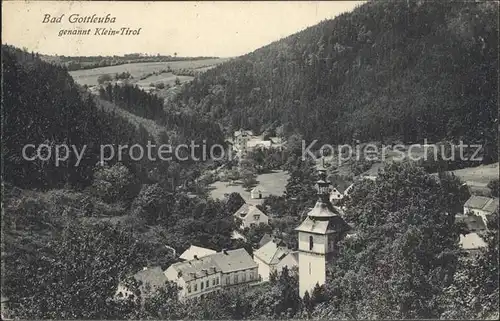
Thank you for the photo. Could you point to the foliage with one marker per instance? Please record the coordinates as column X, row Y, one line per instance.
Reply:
column 493, row 186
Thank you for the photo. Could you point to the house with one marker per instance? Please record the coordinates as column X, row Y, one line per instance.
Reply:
column 258, row 143
column 149, row 279
column 195, row 251
column 268, row 256
column 257, row 193
column 339, row 190
column 213, row 272
column 472, row 242
column 240, row 140
column 251, row 216
column 290, row 261
column 336, row 195
column 481, row 206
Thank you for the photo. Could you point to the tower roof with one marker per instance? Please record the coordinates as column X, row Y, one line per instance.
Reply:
column 323, row 210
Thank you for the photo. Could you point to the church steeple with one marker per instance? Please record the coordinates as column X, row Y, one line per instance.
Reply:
column 318, row 236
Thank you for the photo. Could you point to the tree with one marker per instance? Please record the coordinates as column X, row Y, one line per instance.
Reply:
column 493, row 186
column 74, row 276
column 113, row 183
column 104, row 78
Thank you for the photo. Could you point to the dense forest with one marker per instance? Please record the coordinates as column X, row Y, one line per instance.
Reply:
column 133, row 99
column 388, row 70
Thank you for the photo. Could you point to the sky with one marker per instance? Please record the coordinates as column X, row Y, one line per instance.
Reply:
column 222, row 29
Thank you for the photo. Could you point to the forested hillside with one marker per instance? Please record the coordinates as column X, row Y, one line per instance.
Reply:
column 404, row 70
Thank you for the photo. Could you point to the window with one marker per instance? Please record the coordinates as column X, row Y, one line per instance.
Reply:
column 201, row 285
column 236, row 278
column 256, row 217
column 207, row 283
column 217, row 280
column 228, row 280
column 243, row 277
column 195, row 287
column 311, row 243
column 213, row 281
column 251, row 275
column 189, row 288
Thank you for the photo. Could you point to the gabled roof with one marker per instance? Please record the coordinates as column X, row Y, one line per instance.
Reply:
column 483, row 203
column 340, row 185
column 225, row 262
column 292, row 257
column 193, row 250
column 272, row 252
column 247, row 209
column 233, row 260
column 472, row 241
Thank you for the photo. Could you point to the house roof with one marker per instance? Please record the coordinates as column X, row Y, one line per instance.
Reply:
column 483, row 203
column 247, row 209
column 243, row 131
column 340, row 184
column 153, row 276
column 266, row 238
column 196, row 250
column 196, row 268
column 225, row 262
column 272, row 252
column 290, row 257
column 472, row 241
column 234, row 260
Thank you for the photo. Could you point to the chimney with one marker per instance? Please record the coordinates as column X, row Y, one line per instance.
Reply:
column 196, row 257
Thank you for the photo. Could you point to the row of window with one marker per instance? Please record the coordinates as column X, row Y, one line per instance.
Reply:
column 203, row 284
column 239, row 278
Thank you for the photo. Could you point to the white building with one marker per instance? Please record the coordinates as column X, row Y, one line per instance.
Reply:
column 268, row 256
column 318, row 236
column 481, row 206
column 195, row 251
column 250, row 216
column 257, row 193
column 213, row 272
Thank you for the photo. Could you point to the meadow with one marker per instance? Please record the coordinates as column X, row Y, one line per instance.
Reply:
column 138, row 70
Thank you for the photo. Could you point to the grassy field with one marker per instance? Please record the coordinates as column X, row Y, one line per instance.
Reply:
column 166, row 78
column 138, row 70
column 270, row 183
column 478, row 176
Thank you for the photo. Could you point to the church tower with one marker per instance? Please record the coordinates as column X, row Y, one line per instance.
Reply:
column 318, row 236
